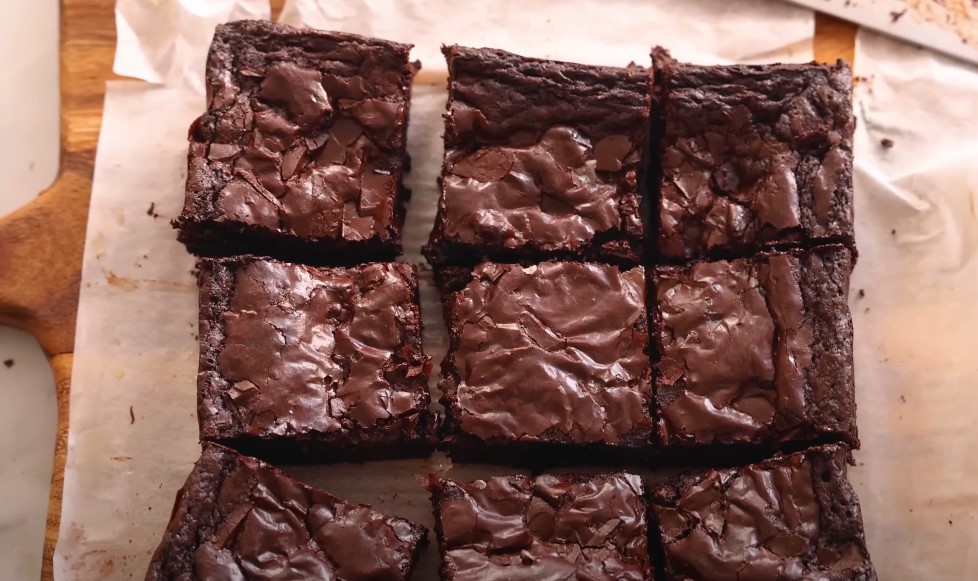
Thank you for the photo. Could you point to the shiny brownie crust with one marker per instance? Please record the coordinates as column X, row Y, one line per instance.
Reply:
column 547, row 363
column 755, row 352
column 547, row 527
column 237, row 517
column 542, row 161
column 752, row 157
column 307, row 364
column 790, row 517
column 301, row 152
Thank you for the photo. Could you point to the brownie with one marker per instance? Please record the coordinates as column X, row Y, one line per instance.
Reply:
column 790, row 517
column 752, row 157
column 300, row 363
column 547, row 363
column 542, row 161
column 548, row 527
column 755, row 351
column 239, row 518
column 301, row 152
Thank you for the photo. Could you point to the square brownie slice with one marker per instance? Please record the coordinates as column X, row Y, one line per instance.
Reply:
column 239, row 518
column 790, row 517
column 753, row 157
column 546, row 363
column 299, row 363
column 301, row 152
column 542, row 161
column 755, row 351
column 548, row 527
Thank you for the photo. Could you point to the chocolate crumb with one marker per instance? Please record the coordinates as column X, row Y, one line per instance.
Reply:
column 893, row 232
column 897, row 15
column 950, row 522
column 862, row 293
column 8, row 363
column 132, row 416
column 903, row 399
column 152, row 210
column 886, row 142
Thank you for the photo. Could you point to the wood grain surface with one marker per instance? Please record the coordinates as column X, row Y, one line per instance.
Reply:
column 41, row 244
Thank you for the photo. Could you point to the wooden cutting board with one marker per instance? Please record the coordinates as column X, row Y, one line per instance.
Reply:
column 41, row 244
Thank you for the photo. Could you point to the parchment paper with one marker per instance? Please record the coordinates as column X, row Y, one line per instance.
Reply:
column 915, row 309
column 161, row 40
column 133, row 432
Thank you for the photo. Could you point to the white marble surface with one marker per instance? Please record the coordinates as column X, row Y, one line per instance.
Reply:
column 28, row 162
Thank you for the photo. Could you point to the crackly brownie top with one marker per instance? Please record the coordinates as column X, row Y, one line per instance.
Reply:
column 737, row 340
column 304, row 131
column 238, row 518
column 294, row 349
column 753, row 155
column 539, row 152
column 551, row 352
column 549, row 527
column 793, row 517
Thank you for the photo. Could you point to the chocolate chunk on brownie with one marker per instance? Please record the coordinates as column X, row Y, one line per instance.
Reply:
column 753, row 157
column 542, row 160
column 790, row 517
column 300, row 363
column 301, row 152
column 755, row 351
column 547, row 362
column 548, row 527
column 239, row 518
